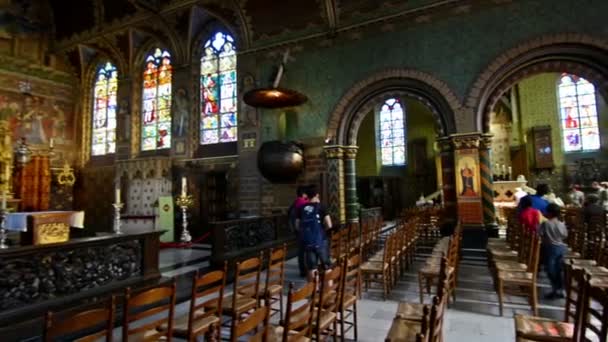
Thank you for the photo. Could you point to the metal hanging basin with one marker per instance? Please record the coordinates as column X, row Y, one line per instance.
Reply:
column 274, row 98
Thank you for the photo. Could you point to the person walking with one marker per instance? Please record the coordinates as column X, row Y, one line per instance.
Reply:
column 553, row 232
column 312, row 222
column 292, row 213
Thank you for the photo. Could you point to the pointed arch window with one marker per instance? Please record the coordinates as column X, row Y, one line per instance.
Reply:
column 104, row 110
column 156, row 102
column 578, row 114
column 218, row 123
column 392, row 133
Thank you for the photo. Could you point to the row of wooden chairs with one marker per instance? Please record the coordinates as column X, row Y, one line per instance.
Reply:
column 586, row 313
column 428, row 218
column 587, row 236
column 413, row 322
column 388, row 264
column 446, row 247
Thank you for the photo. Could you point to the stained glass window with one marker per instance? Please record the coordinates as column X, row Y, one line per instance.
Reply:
column 104, row 110
column 578, row 114
column 218, row 90
column 392, row 133
column 156, row 113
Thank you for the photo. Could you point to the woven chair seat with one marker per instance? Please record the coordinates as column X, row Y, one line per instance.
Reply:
column 278, row 335
column 523, row 278
column 584, row 262
column 372, row 266
column 180, row 325
column 403, row 330
column 543, row 329
column 593, row 270
column 433, row 270
column 410, row 311
column 510, row 266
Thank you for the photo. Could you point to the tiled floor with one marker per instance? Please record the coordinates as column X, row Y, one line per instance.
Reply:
column 473, row 317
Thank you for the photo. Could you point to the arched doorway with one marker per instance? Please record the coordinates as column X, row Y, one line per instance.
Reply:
column 360, row 106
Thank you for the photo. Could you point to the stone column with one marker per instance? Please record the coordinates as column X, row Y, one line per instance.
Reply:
column 448, row 186
column 487, row 192
column 350, row 182
column 335, row 182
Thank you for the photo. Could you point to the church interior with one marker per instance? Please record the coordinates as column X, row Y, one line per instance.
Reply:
column 160, row 161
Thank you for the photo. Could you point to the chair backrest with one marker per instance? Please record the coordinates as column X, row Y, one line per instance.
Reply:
column 300, row 306
column 595, row 314
column 534, row 256
column 206, row 297
column 101, row 318
column 329, row 291
column 436, row 319
column 158, row 303
column 275, row 273
column 247, row 278
column 351, row 278
column 576, row 283
column 388, row 249
column 335, row 242
column 259, row 317
column 442, row 283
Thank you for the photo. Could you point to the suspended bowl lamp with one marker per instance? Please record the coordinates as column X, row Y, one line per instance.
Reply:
column 275, row 97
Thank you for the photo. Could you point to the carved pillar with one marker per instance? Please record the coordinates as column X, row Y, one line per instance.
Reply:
column 468, row 177
column 448, row 186
column 487, row 192
column 335, row 182
column 124, row 118
column 350, row 182
column 182, row 104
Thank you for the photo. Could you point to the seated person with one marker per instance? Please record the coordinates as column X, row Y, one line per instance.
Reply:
column 592, row 208
column 538, row 202
column 529, row 217
column 576, row 197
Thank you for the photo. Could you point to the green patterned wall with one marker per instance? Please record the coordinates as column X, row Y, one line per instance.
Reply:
column 455, row 49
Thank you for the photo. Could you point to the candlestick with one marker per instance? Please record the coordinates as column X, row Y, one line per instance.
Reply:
column 510, row 173
column 184, row 187
column 117, row 196
column 3, row 235
column 51, row 143
column 184, row 202
column 117, row 207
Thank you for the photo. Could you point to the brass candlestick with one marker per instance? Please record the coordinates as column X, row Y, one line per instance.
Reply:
column 184, row 202
column 117, row 208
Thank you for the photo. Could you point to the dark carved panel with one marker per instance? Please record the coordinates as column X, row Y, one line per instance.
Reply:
column 250, row 233
column 51, row 274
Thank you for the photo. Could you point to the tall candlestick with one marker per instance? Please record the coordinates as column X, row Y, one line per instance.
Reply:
column 184, row 186
column 3, row 199
column 51, row 143
column 510, row 173
column 117, row 195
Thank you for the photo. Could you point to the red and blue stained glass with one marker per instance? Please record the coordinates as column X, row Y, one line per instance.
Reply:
column 156, row 112
column 218, row 91
column 578, row 114
column 392, row 133
column 104, row 110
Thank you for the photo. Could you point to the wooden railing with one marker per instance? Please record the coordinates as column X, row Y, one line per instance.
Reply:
column 240, row 238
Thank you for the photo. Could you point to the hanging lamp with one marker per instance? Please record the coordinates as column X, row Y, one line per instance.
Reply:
column 275, row 97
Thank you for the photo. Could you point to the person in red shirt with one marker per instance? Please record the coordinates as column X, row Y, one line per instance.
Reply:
column 529, row 217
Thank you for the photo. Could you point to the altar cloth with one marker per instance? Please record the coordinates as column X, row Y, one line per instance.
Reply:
column 18, row 221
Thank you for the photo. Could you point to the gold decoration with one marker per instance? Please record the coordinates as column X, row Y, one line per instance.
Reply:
column 51, row 233
column 184, row 201
column 466, row 141
column 333, row 152
column 66, row 176
column 350, row 152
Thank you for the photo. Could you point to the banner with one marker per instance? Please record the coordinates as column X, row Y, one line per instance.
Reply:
column 165, row 209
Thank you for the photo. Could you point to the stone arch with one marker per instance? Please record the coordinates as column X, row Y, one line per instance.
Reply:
column 350, row 111
column 579, row 54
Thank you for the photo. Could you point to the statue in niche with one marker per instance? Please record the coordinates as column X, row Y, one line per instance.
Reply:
column 182, row 107
column 124, row 115
column 249, row 118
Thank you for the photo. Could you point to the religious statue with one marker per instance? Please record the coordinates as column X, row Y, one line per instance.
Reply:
column 181, row 106
column 124, row 115
column 468, row 177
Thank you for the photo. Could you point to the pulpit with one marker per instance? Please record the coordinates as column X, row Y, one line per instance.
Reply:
column 44, row 227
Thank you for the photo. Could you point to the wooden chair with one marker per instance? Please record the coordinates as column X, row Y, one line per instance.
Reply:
column 325, row 316
column 101, row 318
column 275, row 277
column 532, row 328
column 349, row 293
column 403, row 330
column 299, row 319
column 371, row 270
column 245, row 291
column 437, row 317
column 414, row 311
column 595, row 314
column 521, row 283
column 149, row 304
column 431, row 270
column 257, row 323
column 204, row 318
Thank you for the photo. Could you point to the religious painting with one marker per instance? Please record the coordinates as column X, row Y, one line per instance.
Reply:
column 467, row 175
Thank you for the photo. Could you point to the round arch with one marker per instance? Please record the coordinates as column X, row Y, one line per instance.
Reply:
column 346, row 118
column 576, row 54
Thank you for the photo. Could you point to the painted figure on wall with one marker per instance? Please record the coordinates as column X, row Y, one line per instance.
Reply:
column 181, row 112
column 124, row 115
column 468, row 181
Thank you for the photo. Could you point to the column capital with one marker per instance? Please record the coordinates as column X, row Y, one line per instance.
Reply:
column 333, row 152
column 485, row 141
column 445, row 144
column 350, row 152
column 466, row 140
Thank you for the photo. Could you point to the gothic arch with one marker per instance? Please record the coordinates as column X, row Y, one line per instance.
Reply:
column 350, row 111
column 574, row 53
